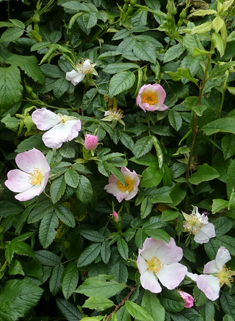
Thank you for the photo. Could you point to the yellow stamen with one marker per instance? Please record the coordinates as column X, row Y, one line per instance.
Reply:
column 193, row 225
column 63, row 119
column 225, row 276
column 155, row 264
column 35, row 177
column 149, row 98
column 129, row 185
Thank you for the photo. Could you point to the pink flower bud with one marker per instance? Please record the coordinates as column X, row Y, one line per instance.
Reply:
column 115, row 216
column 188, row 299
column 91, row 142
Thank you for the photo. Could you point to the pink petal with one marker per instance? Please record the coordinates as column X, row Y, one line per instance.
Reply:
column 63, row 132
column 169, row 253
column 149, row 282
column 141, row 263
column 30, row 193
column 44, row 119
column 222, row 257
column 209, row 284
column 18, row 181
column 188, row 299
column 211, row 267
column 31, row 159
column 172, row 275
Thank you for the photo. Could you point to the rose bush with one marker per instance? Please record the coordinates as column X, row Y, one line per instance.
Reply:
column 120, row 118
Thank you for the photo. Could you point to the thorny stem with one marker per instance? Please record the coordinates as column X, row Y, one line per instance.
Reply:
column 122, row 302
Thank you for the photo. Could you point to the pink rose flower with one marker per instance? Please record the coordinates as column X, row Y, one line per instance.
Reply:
column 151, row 98
column 32, row 177
column 115, row 216
column 62, row 128
column 120, row 191
column 91, row 142
column 158, row 260
column 188, row 299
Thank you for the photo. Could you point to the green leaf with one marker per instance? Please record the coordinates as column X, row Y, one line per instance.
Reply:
column 227, row 317
column 145, row 51
column 186, row 315
column 40, row 210
column 137, row 312
column 182, row 73
column 103, row 285
column 228, row 146
column 17, row 297
column 105, row 252
column 225, row 125
column 89, row 254
column 8, row 208
column 143, row 146
column 121, row 82
column 34, row 141
column 88, row 98
column 11, row 122
column 33, row 268
column 21, row 248
column 119, row 272
column 172, row 301
column 208, row 311
column 70, row 311
column 55, row 279
column 10, row 88
column 218, row 43
column 160, row 195
column 140, row 238
column 60, row 87
column 29, row 65
column 222, row 225
column 117, row 173
column 65, row 215
column 228, row 242
column 89, row 20
column 146, row 207
column 47, row 258
column 153, row 306
column 158, row 234
column 211, row 248
column 230, row 178
column 71, row 178
column 151, row 176
column 218, row 204
column 173, row 52
column 169, row 215
column 84, row 191
column 175, row 119
column 91, row 235
column 57, row 189
column 227, row 303
column 69, row 280
column 123, row 315
column 47, row 230
column 97, row 303
column 11, row 34
column 127, row 141
column 15, row 268
column 122, row 248
column 199, row 296
column 119, row 67
column 204, row 173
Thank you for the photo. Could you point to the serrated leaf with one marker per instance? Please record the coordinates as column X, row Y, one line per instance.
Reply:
column 89, row 254
column 21, row 248
column 10, row 88
column 84, row 191
column 65, row 215
column 47, row 230
column 145, row 51
column 175, row 119
column 70, row 311
column 208, row 311
column 47, row 258
column 105, row 252
column 169, row 215
column 55, row 279
column 15, row 268
column 119, row 272
column 173, row 52
column 199, row 296
column 39, row 211
column 146, row 207
column 97, row 303
column 172, row 301
column 204, row 173
column 153, row 306
column 143, row 146
column 122, row 248
column 151, row 176
column 57, row 189
column 227, row 303
column 91, row 235
column 218, row 204
column 137, row 312
column 119, row 67
column 226, row 125
column 158, row 234
column 228, row 146
column 71, row 178
column 60, row 87
column 70, row 280
column 121, row 82
column 89, row 20
column 11, row 34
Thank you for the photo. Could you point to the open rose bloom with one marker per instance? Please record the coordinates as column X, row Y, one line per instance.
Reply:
column 188, row 299
column 120, row 191
column 61, row 128
column 216, row 274
column 151, row 98
column 158, row 261
column 31, row 178
column 198, row 225
column 83, row 69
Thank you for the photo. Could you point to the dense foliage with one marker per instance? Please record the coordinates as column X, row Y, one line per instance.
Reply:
column 70, row 240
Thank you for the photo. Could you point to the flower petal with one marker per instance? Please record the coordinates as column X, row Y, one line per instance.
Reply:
column 149, row 282
column 150, row 248
column 75, row 76
column 192, row 276
column 209, row 284
column 61, row 133
column 86, row 64
column 169, row 253
column 34, row 158
column 17, row 181
column 30, row 193
column 222, row 257
column 45, row 119
column 211, row 267
column 172, row 275
column 141, row 263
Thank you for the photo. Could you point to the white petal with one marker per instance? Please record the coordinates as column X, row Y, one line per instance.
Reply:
column 172, row 275
column 34, row 158
column 86, row 64
column 150, row 282
column 150, row 248
column 169, row 253
column 209, row 284
column 211, row 267
column 141, row 263
column 18, row 181
column 222, row 257
column 75, row 76
column 45, row 119
column 30, row 193
column 192, row 276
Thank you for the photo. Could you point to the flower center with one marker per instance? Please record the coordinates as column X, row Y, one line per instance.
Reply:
column 149, row 98
column 225, row 276
column 129, row 185
column 35, row 177
column 63, row 119
column 114, row 113
column 155, row 264
column 193, row 225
